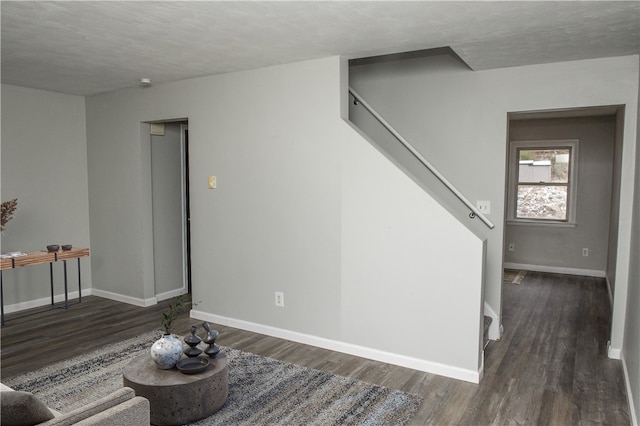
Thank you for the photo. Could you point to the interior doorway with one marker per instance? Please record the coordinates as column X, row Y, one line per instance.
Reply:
column 169, row 157
column 576, row 254
column 582, row 239
column 187, row 204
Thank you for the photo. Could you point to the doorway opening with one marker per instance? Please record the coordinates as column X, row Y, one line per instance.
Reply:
column 170, row 208
column 566, row 225
column 581, row 237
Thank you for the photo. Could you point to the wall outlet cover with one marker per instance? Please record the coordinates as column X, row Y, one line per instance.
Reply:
column 279, row 299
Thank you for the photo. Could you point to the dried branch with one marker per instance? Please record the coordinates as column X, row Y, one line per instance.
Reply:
column 8, row 209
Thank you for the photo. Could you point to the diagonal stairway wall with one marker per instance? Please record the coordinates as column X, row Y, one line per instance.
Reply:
column 383, row 140
column 408, row 262
column 372, row 76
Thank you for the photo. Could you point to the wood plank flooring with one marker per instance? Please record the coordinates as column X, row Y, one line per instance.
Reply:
column 549, row 368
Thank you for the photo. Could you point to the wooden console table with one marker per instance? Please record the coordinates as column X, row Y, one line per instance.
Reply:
column 42, row 257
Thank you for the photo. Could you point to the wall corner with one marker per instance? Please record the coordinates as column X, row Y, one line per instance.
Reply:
column 344, row 88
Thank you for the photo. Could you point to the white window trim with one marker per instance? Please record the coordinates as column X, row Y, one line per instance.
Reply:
column 572, row 187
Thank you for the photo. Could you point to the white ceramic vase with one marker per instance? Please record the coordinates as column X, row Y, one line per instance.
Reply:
column 167, row 351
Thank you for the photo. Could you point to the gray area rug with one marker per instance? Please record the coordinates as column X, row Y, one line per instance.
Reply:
column 262, row 391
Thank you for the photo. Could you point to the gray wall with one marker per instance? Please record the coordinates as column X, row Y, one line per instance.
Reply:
column 561, row 246
column 44, row 165
column 304, row 205
column 615, row 205
column 631, row 351
column 166, row 182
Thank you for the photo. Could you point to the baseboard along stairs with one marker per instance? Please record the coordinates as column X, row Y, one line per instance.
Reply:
column 487, row 323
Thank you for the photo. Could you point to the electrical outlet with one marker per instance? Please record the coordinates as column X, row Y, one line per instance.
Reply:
column 512, row 247
column 280, row 299
column 585, row 251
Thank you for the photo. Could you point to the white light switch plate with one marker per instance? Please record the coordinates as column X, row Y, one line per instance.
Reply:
column 484, row 207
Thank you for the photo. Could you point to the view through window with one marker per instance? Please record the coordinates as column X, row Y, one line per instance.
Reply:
column 543, row 183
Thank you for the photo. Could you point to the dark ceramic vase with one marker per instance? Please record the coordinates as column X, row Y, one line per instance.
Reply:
column 212, row 349
column 192, row 340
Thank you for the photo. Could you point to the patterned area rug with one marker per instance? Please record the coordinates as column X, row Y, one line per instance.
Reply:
column 513, row 276
column 262, row 391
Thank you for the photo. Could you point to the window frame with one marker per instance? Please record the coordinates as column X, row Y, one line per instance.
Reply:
column 513, row 166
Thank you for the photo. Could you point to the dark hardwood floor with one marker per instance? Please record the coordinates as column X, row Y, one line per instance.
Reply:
column 549, row 368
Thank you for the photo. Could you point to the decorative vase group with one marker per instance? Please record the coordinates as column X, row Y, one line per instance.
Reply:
column 168, row 350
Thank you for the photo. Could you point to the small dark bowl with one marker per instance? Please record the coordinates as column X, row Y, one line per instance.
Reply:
column 53, row 247
column 192, row 365
column 66, row 246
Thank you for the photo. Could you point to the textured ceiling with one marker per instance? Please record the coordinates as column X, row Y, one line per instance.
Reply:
column 88, row 47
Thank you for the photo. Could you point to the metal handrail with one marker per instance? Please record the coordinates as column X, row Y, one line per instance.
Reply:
column 474, row 211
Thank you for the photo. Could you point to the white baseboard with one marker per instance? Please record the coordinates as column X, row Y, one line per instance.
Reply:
column 610, row 292
column 495, row 329
column 36, row 303
column 632, row 409
column 344, row 347
column 557, row 270
column 126, row 299
column 170, row 294
column 613, row 353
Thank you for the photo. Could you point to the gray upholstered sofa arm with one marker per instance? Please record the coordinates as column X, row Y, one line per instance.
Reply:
column 120, row 408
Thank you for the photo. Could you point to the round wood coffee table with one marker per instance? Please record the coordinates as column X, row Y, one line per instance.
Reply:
column 177, row 398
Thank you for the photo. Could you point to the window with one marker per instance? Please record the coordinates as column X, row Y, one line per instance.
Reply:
column 542, row 181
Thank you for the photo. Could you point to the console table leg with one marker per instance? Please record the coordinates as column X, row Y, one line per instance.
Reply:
column 66, row 296
column 79, row 283
column 51, row 280
column 1, row 297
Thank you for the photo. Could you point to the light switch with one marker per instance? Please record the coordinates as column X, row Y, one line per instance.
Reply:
column 484, row 207
column 212, row 182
